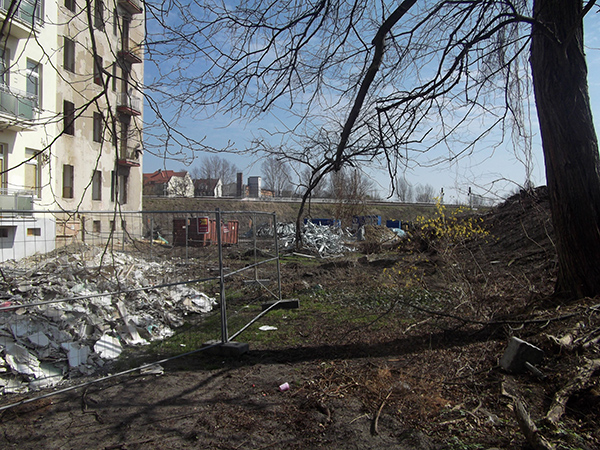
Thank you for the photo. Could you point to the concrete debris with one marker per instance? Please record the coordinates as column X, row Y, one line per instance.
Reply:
column 108, row 347
column 43, row 343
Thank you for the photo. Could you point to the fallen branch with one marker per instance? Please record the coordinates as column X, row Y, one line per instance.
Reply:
column 374, row 430
column 529, row 429
column 557, row 409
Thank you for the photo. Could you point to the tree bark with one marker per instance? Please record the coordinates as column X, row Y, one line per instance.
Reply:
column 569, row 143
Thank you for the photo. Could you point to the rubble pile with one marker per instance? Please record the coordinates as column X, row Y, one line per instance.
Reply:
column 45, row 339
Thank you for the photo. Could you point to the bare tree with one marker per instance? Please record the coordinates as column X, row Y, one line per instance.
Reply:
column 404, row 190
column 319, row 191
column 404, row 79
column 424, row 193
column 276, row 175
column 214, row 167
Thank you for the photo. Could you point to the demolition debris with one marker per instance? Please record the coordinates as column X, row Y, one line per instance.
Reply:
column 60, row 319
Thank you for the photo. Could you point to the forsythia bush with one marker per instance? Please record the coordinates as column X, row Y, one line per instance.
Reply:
column 445, row 230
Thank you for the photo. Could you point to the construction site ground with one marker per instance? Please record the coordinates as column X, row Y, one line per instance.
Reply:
column 396, row 345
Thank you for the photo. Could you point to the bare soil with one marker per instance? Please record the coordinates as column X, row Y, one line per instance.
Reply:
column 422, row 373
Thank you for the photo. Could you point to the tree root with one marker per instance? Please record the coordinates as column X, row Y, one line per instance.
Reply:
column 561, row 398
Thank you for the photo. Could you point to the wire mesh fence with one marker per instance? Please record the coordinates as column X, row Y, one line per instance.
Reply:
column 104, row 290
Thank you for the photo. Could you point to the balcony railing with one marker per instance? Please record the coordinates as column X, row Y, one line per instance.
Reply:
column 18, row 104
column 131, row 6
column 28, row 13
column 15, row 201
column 129, row 104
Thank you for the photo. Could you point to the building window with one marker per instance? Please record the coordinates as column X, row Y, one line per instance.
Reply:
column 123, row 181
column 69, row 117
column 98, row 70
column 71, row 5
column 113, row 185
column 98, row 126
column 97, row 185
column 33, row 81
column 114, row 77
column 34, row 231
column 3, row 166
column 114, row 132
column 4, row 65
column 97, row 226
column 69, row 55
column 33, row 172
column 115, row 22
column 3, row 232
column 99, row 14
column 68, row 177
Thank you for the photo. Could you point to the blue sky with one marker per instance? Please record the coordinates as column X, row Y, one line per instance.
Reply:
column 477, row 172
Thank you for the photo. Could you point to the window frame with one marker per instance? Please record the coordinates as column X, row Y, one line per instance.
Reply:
column 33, row 76
column 99, row 14
column 71, row 5
column 98, row 127
column 36, row 187
column 97, row 185
column 3, row 166
column 68, row 179
column 98, row 70
column 69, row 54
column 68, row 118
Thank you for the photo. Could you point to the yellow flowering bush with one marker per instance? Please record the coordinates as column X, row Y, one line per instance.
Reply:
column 445, row 229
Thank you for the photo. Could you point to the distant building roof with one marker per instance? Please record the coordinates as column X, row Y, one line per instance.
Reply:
column 162, row 176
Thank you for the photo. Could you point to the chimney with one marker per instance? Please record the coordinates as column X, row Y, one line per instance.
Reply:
column 239, row 185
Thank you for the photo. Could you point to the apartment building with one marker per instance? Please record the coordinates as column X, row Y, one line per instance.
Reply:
column 70, row 121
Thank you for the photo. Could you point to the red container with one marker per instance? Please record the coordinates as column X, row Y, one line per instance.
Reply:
column 197, row 235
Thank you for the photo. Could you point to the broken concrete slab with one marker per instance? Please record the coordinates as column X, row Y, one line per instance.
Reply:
column 518, row 353
column 108, row 347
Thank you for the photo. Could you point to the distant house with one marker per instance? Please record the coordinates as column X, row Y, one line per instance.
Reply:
column 207, row 187
column 168, row 183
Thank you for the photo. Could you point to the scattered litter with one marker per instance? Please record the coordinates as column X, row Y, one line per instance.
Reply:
column 154, row 369
column 267, row 328
column 284, row 387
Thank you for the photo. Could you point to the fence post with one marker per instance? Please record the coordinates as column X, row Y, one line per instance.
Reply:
column 187, row 237
column 224, row 335
column 254, row 229
column 277, row 255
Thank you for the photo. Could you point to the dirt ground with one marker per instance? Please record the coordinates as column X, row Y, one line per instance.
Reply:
column 424, row 374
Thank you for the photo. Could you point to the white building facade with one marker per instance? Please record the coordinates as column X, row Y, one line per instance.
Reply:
column 70, row 120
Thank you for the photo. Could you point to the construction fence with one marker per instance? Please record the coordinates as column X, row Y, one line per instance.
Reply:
column 102, row 285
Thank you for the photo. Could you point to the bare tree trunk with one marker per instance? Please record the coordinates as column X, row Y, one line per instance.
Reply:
column 569, row 142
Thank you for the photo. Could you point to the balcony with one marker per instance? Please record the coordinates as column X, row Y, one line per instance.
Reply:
column 129, row 156
column 17, row 108
column 13, row 202
column 129, row 104
column 131, row 6
column 25, row 18
column 131, row 53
